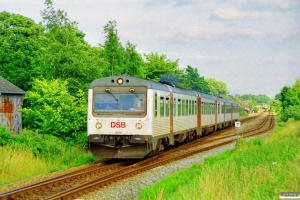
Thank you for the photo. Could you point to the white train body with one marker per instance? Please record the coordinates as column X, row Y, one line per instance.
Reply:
column 130, row 117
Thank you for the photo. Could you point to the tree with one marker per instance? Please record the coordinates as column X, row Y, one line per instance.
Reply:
column 54, row 17
column 191, row 80
column 20, row 40
column 275, row 106
column 112, row 52
column 116, row 58
column 157, row 65
column 296, row 87
column 65, row 54
column 133, row 61
column 289, row 98
column 217, row 88
column 52, row 110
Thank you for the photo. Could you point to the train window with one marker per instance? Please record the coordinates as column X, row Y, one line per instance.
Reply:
column 155, row 105
column 207, row 108
column 183, row 107
column 162, row 107
column 179, row 107
column 167, row 107
column 174, row 107
column 186, row 107
column 190, row 107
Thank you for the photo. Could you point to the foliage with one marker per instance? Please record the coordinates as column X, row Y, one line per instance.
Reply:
column 42, row 145
column 20, row 39
column 289, row 98
column 256, row 99
column 157, row 65
column 5, row 136
column 52, row 110
column 275, row 106
column 116, row 58
column 43, row 153
column 65, row 54
column 290, row 112
column 192, row 80
column 112, row 51
column 55, row 18
column 243, row 113
column 217, row 88
column 133, row 61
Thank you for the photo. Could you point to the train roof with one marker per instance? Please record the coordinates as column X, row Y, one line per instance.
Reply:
column 134, row 81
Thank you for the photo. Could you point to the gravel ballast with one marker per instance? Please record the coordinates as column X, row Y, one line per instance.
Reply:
column 130, row 188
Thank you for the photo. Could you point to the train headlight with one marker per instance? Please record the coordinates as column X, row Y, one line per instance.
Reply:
column 120, row 81
column 138, row 126
column 98, row 125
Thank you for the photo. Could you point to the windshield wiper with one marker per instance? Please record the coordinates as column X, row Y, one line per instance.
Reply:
column 132, row 91
column 108, row 91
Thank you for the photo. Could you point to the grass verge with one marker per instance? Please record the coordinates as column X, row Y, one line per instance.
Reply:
column 28, row 155
column 258, row 169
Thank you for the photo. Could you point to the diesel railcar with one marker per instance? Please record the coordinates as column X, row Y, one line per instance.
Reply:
column 130, row 117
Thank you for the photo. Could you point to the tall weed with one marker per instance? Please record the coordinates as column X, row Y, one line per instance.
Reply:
column 30, row 154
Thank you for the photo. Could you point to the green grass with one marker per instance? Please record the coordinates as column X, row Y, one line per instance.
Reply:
column 259, row 169
column 20, row 163
column 29, row 154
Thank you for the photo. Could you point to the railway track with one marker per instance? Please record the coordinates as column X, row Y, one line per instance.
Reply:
column 108, row 174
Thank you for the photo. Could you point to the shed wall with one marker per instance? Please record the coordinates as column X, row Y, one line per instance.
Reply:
column 9, row 115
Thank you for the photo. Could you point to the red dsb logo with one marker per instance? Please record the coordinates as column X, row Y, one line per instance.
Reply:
column 118, row 124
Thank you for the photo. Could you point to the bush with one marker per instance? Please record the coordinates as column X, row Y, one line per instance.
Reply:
column 52, row 110
column 290, row 112
column 244, row 113
column 5, row 136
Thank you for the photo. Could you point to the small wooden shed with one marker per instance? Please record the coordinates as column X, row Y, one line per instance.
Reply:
column 10, row 103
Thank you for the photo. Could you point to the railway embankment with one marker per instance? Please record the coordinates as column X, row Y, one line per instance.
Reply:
column 261, row 168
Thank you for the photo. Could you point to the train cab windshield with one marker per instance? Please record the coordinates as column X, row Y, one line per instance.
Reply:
column 117, row 102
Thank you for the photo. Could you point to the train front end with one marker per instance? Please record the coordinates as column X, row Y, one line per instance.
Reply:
column 118, row 122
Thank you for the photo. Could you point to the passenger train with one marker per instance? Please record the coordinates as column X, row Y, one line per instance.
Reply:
column 130, row 117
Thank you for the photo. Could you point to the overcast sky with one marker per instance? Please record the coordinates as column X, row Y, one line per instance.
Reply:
column 252, row 46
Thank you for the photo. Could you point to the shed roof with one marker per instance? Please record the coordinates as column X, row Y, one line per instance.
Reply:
column 7, row 87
